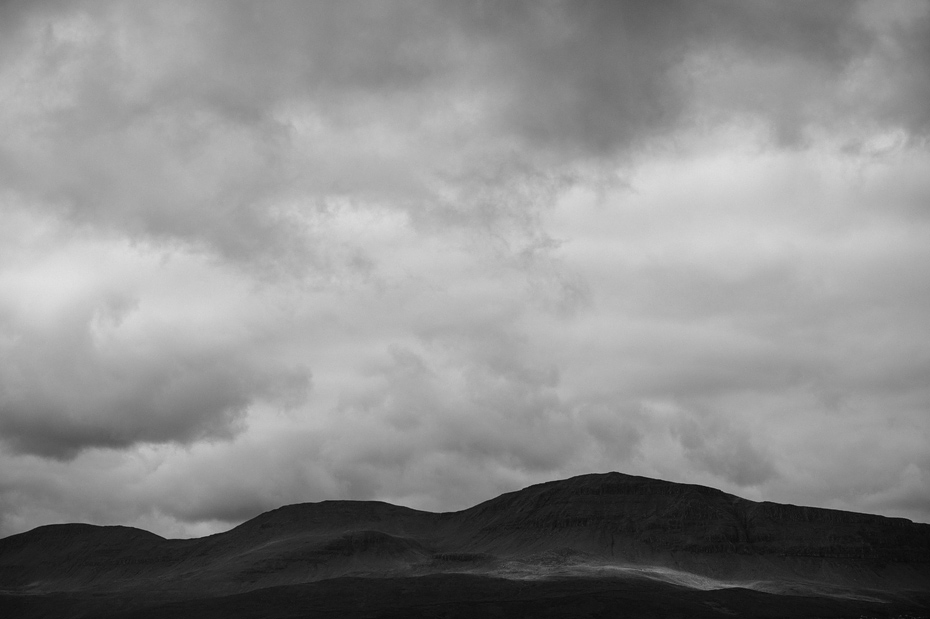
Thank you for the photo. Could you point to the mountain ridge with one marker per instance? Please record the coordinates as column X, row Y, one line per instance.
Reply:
column 552, row 504
column 602, row 525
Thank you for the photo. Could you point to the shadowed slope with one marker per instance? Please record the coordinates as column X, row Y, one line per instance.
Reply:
column 684, row 517
column 591, row 526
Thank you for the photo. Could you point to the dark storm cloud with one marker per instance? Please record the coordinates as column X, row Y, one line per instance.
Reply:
column 177, row 121
column 594, row 78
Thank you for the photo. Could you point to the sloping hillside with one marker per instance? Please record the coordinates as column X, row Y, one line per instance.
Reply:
column 611, row 526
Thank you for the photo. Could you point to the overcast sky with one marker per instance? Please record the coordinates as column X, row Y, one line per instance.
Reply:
column 261, row 253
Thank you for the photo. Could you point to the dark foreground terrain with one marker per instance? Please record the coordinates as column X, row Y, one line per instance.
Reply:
column 608, row 545
column 463, row 596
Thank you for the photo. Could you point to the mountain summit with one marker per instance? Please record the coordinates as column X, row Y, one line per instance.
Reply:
column 599, row 528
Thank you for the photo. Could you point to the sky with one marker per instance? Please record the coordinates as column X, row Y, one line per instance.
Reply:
column 263, row 253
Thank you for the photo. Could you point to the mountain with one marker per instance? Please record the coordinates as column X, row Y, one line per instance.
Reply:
column 616, row 538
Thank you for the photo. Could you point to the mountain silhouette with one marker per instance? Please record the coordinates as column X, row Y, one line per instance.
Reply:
column 605, row 538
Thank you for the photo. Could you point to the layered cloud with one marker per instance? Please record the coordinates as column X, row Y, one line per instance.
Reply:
column 259, row 254
column 105, row 345
column 230, row 125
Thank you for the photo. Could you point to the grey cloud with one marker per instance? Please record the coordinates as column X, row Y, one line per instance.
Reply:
column 483, row 405
column 276, row 469
column 172, row 121
column 458, row 407
column 911, row 499
column 900, row 87
column 66, row 389
column 822, row 67
column 403, row 159
column 170, row 489
column 589, row 79
column 725, row 452
column 615, row 425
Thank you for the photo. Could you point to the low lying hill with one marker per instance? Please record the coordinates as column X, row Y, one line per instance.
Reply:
column 593, row 528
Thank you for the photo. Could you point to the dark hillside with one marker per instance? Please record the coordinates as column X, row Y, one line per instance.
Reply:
column 633, row 533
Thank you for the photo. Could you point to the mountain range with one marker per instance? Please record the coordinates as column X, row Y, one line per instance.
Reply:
column 594, row 545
